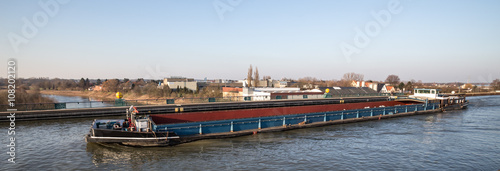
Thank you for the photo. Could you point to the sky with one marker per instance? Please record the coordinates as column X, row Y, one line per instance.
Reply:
column 432, row 41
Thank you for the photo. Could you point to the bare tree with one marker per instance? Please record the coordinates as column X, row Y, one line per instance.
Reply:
column 392, row 79
column 495, row 85
column 249, row 76
column 111, row 85
column 256, row 75
column 351, row 76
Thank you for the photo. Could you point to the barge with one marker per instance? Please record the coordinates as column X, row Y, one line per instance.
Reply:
column 176, row 128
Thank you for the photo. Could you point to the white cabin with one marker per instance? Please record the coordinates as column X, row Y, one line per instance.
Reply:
column 423, row 93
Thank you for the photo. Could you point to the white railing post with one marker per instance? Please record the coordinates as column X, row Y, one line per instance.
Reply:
column 231, row 126
column 200, row 130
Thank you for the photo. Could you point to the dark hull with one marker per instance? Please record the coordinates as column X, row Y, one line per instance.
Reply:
column 132, row 138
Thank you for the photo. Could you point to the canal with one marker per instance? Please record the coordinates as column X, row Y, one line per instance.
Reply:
column 74, row 102
column 455, row 140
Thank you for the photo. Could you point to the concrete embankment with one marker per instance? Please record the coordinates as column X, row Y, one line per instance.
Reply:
column 482, row 94
column 173, row 108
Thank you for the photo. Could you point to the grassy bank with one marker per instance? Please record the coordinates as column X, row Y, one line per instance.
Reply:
column 95, row 94
column 34, row 98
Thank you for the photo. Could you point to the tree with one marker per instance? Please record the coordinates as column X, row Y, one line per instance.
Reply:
column 409, row 86
column 249, row 77
column 351, row 76
column 495, row 85
column 256, row 75
column 99, row 82
column 111, row 85
column 392, row 79
column 81, row 83
column 401, row 85
column 140, row 82
column 87, row 83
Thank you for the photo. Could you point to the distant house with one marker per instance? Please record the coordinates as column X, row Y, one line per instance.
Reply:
column 268, row 93
column 374, row 86
column 95, row 88
column 127, row 85
column 388, row 89
column 232, row 91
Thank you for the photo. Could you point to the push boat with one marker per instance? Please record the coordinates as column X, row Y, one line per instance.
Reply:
column 182, row 127
column 134, row 131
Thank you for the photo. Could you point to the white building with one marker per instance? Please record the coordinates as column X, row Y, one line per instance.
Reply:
column 180, row 82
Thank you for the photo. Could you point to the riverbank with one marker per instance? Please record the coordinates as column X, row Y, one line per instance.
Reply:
column 103, row 96
column 482, row 94
column 93, row 94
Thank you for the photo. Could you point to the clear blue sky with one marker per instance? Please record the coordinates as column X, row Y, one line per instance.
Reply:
column 432, row 41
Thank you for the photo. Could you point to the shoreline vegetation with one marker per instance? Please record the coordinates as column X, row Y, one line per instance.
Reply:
column 99, row 95
column 31, row 90
column 107, row 96
column 25, row 97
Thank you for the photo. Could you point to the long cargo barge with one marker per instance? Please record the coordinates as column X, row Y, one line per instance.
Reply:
column 176, row 128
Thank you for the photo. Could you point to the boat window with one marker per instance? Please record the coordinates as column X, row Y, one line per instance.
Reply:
column 433, row 92
column 424, row 91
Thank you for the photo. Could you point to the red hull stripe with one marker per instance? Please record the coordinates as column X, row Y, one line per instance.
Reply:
column 262, row 112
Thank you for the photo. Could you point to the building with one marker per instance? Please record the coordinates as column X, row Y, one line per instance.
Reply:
column 270, row 93
column 266, row 83
column 95, row 88
column 180, row 83
column 388, row 89
column 232, row 92
column 374, row 86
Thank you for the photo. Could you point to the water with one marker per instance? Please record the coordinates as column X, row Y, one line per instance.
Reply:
column 74, row 102
column 456, row 140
